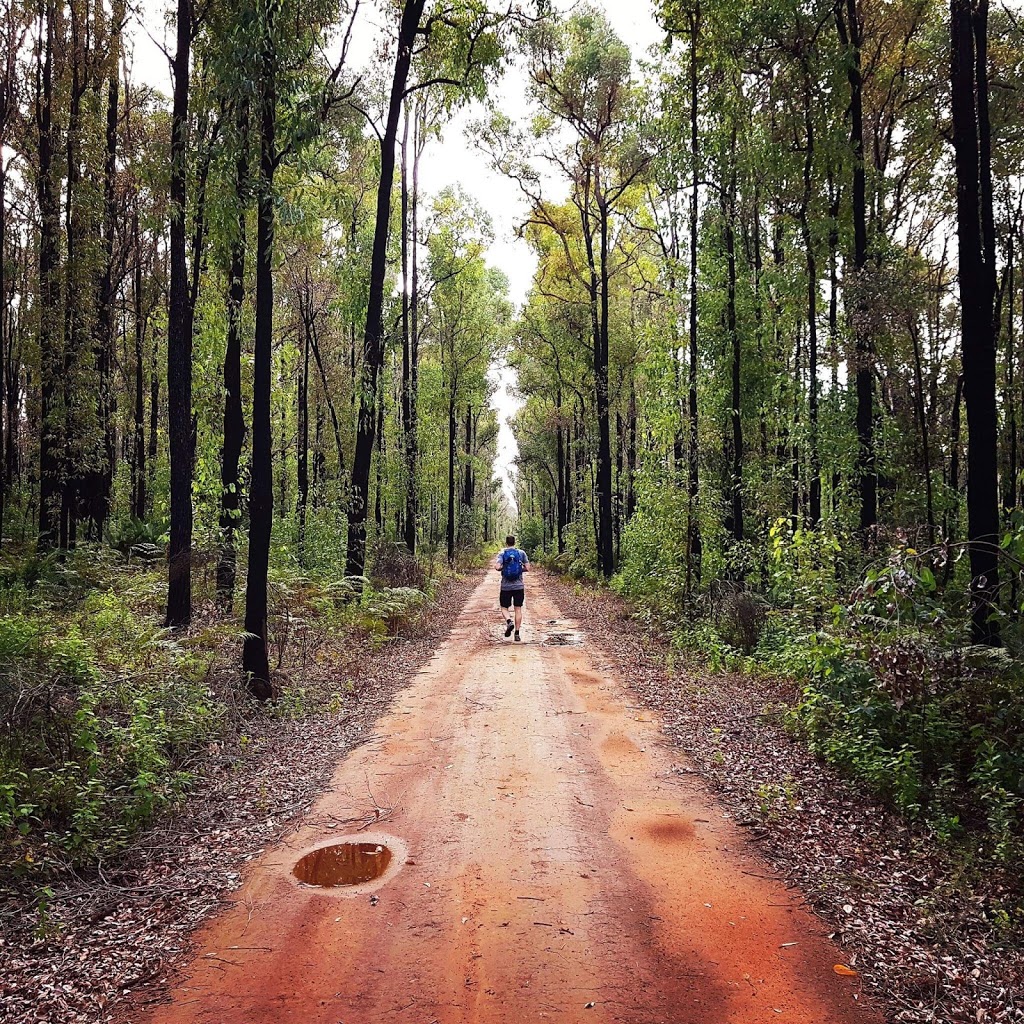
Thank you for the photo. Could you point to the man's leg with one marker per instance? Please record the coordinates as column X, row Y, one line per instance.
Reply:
column 519, row 612
column 506, row 610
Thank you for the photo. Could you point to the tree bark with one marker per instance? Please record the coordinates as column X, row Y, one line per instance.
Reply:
column 104, row 479
column 234, row 418
column 922, row 422
column 452, row 434
column 302, row 456
column 179, row 345
column 850, row 35
column 255, row 661
column 50, row 355
column 373, row 338
column 139, row 460
column 693, row 539
column 736, row 481
column 976, row 235
column 408, row 444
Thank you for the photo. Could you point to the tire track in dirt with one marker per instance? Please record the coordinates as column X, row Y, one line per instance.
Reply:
column 557, row 866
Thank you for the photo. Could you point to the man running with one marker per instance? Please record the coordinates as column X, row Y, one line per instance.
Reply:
column 512, row 563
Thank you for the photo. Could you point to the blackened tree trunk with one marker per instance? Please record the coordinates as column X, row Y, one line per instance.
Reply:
column 302, row 455
column 604, row 448
column 139, row 448
column 378, row 490
column 922, row 422
column 693, row 536
column 631, row 453
column 736, row 474
column 562, row 472
column 814, row 514
column 452, row 435
column 255, row 661
column 373, row 338
column 49, row 290
column 179, row 345
column 976, row 235
column 950, row 527
column 1011, row 356
column 104, row 344
column 408, row 451
column 4, row 356
column 467, row 483
column 850, row 34
column 153, row 447
column 234, row 420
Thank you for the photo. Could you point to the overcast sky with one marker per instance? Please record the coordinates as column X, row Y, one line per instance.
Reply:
column 453, row 160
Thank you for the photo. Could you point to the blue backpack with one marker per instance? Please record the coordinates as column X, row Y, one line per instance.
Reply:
column 511, row 565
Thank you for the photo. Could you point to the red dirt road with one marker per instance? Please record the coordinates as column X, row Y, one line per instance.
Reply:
column 550, row 863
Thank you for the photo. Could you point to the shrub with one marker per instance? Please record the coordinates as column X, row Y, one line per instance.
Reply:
column 741, row 620
column 99, row 716
column 394, row 566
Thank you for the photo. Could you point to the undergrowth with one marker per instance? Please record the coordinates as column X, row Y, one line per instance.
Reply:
column 891, row 690
column 106, row 717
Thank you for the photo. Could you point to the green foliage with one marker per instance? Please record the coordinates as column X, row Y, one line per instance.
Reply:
column 803, row 564
column 530, row 536
column 100, row 712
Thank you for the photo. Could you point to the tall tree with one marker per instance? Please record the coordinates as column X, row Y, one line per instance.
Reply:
column 179, row 342
column 473, row 36
column 979, row 323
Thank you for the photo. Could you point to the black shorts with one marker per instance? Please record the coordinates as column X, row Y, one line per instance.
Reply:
column 512, row 597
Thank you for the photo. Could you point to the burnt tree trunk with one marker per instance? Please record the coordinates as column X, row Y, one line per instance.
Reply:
column 234, row 419
column 452, row 435
column 49, row 289
column 255, row 661
column 693, row 536
column 976, row 235
column 373, row 338
column 849, row 27
column 179, row 345
column 302, row 455
column 139, row 451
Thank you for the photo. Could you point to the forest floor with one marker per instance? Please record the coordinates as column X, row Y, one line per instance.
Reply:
column 553, row 857
column 71, row 957
column 924, row 926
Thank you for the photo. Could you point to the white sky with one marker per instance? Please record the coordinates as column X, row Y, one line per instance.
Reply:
column 453, row 160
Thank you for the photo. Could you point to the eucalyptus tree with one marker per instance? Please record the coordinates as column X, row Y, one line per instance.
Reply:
column 179, row 338
column 295, row 94
column 14, row 31
column 468, row 307
column 587, row 126
column 977, row 257
column 457, row 44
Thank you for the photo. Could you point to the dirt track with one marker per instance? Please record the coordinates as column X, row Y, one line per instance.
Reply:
column 550, row 862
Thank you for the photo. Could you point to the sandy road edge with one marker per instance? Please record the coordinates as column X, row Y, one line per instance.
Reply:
column 888, row 896
column 112, row 946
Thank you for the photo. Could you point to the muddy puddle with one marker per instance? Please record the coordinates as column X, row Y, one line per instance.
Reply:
column 343, row 864
column 563, row 638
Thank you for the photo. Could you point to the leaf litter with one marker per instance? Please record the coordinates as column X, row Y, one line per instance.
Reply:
column 102, row 946
column 918, row 930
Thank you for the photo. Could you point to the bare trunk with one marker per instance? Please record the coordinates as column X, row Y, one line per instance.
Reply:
column 373, row 339
column 179, row 346
column 255, row 660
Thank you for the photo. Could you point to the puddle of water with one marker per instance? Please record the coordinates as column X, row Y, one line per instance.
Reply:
column 343, row 864
column 562, row 639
